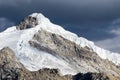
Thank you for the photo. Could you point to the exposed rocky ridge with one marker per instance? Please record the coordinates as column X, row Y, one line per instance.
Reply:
column 90, row 76
column 12, row 69
column 8, row 56
column 9, row 65
column 28, row 22
column 82, row 59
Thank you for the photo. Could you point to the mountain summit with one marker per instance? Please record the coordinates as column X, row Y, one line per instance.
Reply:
column 39, row 44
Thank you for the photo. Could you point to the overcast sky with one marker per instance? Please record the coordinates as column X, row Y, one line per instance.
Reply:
column 96, row 20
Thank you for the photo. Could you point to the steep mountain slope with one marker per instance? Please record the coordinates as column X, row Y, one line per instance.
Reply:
column 39, row 44
column 80, row 59
column 12, row 69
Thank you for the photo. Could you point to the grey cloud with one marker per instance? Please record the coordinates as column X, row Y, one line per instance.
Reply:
column 112, row 43
column 68, row 11
column 13, row 2
column 116, row 31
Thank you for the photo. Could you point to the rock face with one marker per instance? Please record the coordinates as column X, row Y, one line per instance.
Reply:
column 28, row 22
column 9, row 65
column 8, row 56
column 82, row 59
column 90, row 76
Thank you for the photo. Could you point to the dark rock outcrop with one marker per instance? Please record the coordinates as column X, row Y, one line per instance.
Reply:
column 9, row 65
column 90, row 76
column 28, row 22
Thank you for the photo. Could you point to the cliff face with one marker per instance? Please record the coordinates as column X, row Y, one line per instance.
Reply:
column 8, row 57
column 9, row 65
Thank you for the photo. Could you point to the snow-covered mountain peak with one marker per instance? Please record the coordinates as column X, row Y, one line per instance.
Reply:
column 40, row 18
column 36, row 14
column 18, row 37
column 40, row 22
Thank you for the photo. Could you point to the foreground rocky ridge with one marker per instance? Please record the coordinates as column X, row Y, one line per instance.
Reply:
column 12, row 69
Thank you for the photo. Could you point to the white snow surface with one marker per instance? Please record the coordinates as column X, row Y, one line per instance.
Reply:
column 33, row 59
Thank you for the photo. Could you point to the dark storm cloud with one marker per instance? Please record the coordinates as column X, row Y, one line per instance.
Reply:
column 88, row 18
column 4, row 22
column 74, row 11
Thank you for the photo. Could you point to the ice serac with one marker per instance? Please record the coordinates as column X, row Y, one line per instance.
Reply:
column 38, row 43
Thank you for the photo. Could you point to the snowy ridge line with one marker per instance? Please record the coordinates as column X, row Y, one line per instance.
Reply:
column 11, row 29
column 53, row 28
